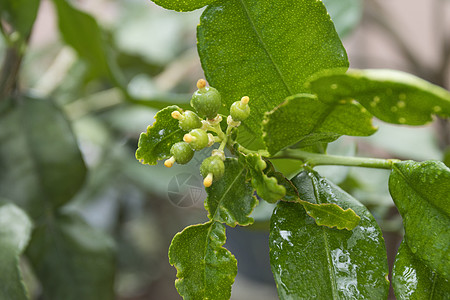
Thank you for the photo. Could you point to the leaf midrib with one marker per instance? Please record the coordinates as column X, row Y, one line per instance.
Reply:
column 263, row 45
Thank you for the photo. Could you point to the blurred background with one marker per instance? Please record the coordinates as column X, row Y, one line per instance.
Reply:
column 113, row 66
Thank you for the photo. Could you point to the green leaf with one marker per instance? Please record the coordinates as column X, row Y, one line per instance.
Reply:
column 266, row 187
column 331, row 215
column 230, row 200
column 345, row 14
column 155, row 144
column 266, row 50
column 183, row 5
column 291, row 193
column 72, row 260
column 316, row 262
column 314, row 122
column 20, row 19
column 205, row 269
column 15, row 230
column 391, row 96
column 413, row 280
column 421, row 193
column 42, row 167
column 82, row 32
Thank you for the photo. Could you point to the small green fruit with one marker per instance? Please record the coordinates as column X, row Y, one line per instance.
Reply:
column 189, row 121
column 197, row 139
column 182, row 152
column 206, row 100
column 212, row 169
column 240, row 110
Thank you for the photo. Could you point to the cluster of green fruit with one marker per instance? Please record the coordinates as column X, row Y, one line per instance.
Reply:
column 206, row 101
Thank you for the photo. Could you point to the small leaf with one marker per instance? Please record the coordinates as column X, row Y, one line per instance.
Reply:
column 421, row 192
column 316, row 262
column 205, row 269
column 245, row 50
column 72, row 260
column 230, row 200
column 183, row 5
column 291, row 191
column 155, row 144
column 413, row 280
column 41, row 163
column 331, row 215
column 391, row 96
column 15, row 230
column 314, row 122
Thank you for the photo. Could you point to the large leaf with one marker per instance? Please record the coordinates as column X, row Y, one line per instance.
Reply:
column 155, row 144
column 41, row 163
column 316, row 262
column 15, row 230
column 314, row 122
column 421, row 192
column 391, row 96
column 413, row 280
column 20, row 19
column 266, row 50
column 230, row 200
column 72, row 260
column 205, row 269
column 183, row 5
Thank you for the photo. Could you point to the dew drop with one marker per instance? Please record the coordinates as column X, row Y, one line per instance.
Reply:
column 401, row 104
column 394, row 108
column 437, row 109
column 334, row 86
column 401, row 120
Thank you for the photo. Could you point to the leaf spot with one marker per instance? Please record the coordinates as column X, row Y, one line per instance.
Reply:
column 394, row 108
column 401, row 104
column 402, row 96
column 437, row 108
column 376, row 99
column 334, row 86
column 401, row 120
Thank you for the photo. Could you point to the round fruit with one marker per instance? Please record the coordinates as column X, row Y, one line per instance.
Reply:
column 189, row 120
column 182, row 152
column 240, row 110
column 197, row 139
column 206, row 101
column 213, row 165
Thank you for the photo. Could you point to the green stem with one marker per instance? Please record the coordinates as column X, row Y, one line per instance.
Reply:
column 315, row 159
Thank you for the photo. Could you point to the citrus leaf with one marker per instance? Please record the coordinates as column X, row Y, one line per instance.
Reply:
column 155, row 144
column 310, row 261
column 251, row 48
column 266, row 187
column 413, row 280
column 230, row 200
column 20, row 19
column 15, row 230
column 42, row 167
column 391, row 96
column 72, row 260
column 314, row 122
column 183, row 5
column 331, row 215
column 205, row 269
column 291, row 191
column 421, row 192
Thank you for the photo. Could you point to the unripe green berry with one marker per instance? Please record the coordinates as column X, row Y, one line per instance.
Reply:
column 214, row 166
column 182, row 152
column 197, row 139
column 189, row 120
column 240, row 110
column 206, row 100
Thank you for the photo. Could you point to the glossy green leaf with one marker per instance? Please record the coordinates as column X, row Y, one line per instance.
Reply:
column 413, row 280
column 331, row 215
column 345, row 14
column 72, row 260
column 155, row 144
column 183, row 5
column 230, row 200
column 82, row 32
column 391, row 96
column 291, row 193
column 15, row 230
column 20, row 19
column 266, row 50
column 205, row 269
column 421, row 192
column 42, row 167
column 314, row 122
column 266, row 187
column 316, row 262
